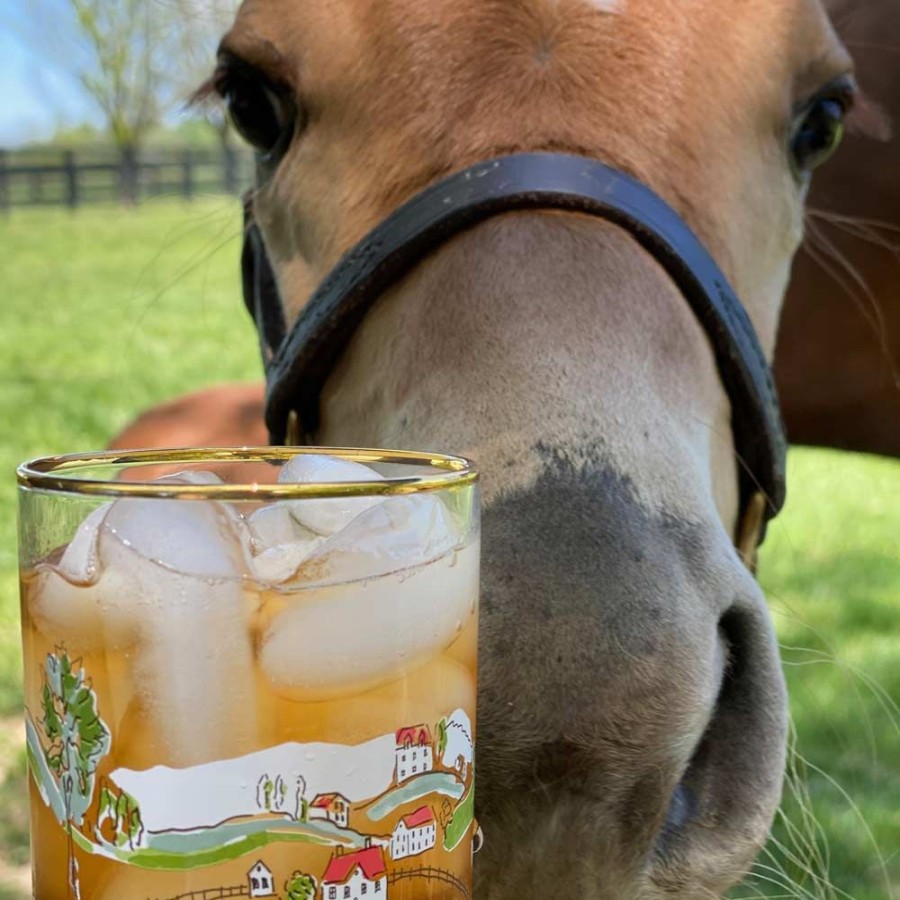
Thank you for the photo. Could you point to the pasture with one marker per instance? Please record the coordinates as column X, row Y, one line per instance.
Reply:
column 106, row 312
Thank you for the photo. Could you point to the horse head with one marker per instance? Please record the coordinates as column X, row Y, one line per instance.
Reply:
column 632, row 709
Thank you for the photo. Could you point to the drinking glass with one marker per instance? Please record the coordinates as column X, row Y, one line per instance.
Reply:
column 250, row 673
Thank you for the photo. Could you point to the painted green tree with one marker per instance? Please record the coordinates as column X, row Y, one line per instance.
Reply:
column 301, row 804
column 442, row 737
column 77, row 740
column 122, row 810
column 300, row 887
column 264, row 792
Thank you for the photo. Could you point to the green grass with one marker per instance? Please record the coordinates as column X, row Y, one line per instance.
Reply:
column 105, row 312
column 831, row 570
column 14, row 818
column 234, row 848
column 108, row 311
column 462, row 819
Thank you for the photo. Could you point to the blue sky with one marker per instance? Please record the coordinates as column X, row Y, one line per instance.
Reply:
column 37, row 94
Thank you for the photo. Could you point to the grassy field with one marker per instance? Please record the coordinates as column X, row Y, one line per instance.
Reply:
column 831, row 570
column 106, row 312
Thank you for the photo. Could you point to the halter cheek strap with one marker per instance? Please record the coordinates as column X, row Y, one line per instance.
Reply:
column 299, row 362
column 260, row 289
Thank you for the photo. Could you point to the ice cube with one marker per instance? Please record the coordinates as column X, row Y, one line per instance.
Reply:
column 76, row 602
column 91, row 604
column 193, row 537
column 194, row 669
column 170, row 589
column 86, row 618
column 79, row 560
column 399, row 533
column 279, row 543
column 271, row 526
column 347, row 638
column 193, row 659
column 330, row 515
column 280, row 564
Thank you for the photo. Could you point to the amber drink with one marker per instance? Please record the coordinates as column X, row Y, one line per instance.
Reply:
column 250, row 674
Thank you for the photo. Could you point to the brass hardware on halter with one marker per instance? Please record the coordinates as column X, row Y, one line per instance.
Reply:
column 292, row 436
column 750, row 528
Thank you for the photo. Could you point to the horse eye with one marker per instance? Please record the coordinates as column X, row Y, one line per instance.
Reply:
column 819, row 128
column 260, row 112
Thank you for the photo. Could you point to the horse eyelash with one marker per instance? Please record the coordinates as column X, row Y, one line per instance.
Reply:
column 864, row 116
column 869, row 119
column 214, row 87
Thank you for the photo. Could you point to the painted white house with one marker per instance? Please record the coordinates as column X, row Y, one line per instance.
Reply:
column 333, row 807
column 360, row 875
column 414, row 834
column 261, row 881
column 413, row 753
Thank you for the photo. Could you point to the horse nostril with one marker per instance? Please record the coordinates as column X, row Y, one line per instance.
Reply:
column 682, row 806
column 722, row 807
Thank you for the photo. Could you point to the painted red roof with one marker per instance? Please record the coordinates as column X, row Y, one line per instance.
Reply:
column 323, row 801
column 421, row 816
column 416, row 734
column 370, row 860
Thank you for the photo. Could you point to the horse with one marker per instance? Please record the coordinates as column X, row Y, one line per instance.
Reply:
column 632, row 710
column 837, row 359
column 226, row 415
column 838, row 355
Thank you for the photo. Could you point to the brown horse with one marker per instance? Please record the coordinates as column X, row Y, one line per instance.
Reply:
column 838, row 356
column 838, row 359
column 632, row 710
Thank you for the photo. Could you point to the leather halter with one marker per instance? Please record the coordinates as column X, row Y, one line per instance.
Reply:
column 298, row 363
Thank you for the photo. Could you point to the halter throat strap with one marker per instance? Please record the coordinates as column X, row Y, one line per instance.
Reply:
column 299, row 362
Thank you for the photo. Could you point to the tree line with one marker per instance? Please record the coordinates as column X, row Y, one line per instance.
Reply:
column 139, row 61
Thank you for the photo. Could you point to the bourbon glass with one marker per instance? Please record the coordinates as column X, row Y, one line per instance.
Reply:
column 250, row 673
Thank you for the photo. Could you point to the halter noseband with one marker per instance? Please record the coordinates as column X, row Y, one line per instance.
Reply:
column 299, row 362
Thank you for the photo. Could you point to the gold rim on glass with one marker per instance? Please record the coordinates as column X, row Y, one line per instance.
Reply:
column 60, row 473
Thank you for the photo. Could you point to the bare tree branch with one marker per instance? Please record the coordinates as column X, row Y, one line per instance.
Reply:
column 138, row 60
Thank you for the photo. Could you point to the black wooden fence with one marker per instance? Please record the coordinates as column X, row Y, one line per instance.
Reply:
column 74, row 178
